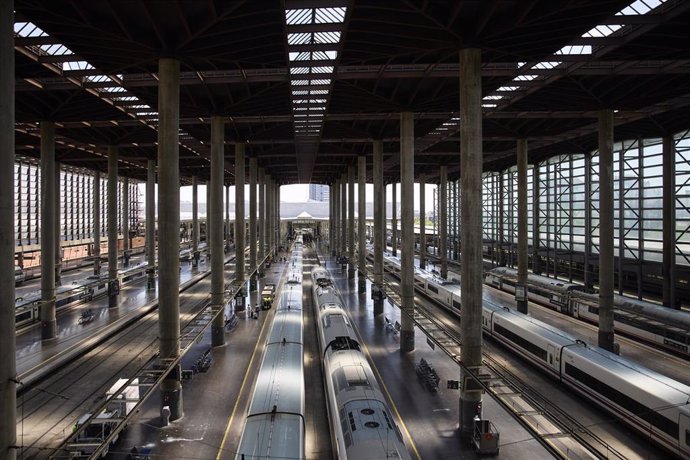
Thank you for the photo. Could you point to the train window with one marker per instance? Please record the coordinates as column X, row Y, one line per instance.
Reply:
column 432, row 288
column 522, row 343
column 353, row 427
column 633, row 406
column 456, row 304
column 687, row 437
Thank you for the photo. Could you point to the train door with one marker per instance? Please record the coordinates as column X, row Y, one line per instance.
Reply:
column 684, row 441
column 551, row 356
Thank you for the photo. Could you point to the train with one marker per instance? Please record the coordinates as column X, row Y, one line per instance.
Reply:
column 274, row 425
column 362, row 426
column 19, row 275
column 664, row 327
column 28, row 308
column 657, row 406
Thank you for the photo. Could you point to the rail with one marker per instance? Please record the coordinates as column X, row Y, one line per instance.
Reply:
column 561, row 434
column 150, row 375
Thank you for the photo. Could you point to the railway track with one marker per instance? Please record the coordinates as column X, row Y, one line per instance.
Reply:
column 49, row 407
column 559, row 432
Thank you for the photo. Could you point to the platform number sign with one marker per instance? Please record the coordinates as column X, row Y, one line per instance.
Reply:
column 453, row 384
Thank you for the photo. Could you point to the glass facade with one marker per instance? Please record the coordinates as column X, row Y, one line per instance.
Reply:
column 564, row 190
column 76, row 204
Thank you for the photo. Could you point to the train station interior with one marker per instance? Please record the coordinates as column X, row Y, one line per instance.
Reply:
column 493, row 259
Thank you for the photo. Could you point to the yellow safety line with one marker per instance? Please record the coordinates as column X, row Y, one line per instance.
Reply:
column 239, row 395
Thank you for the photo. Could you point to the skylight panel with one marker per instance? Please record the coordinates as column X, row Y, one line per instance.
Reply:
column 28, row 29
column 329, row 15
column 325, row 37
column 495, row 97
column 545, row 65
column 76, row 65
column 640, row 7
column 300, row 16
column 489, row 106
column 577, row 50
column 56, row 50
column 525, row 77
column 507, row 88
column 602, row 31
column 299, row 70
column 323, row 69
column 299, row 38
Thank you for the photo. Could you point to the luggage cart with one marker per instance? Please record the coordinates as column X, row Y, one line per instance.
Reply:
column 485, row 438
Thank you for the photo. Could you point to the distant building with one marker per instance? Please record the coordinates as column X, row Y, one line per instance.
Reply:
column 318, row 192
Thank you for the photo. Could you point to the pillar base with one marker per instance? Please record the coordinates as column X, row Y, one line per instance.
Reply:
column 470, row 407
column 351, row 272
column 173, row 400
column 378, row 307
column 113, row 301
column 361, row 284
column 606, row 341
column 406, row 341
column 150, row 281
column 48, row 330
column 522, row 306
column 217, row 335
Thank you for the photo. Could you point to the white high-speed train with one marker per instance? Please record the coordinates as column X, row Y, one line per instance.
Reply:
column 657, row 406
column 665, row 327
column 28, row 307
column 274, row 425
column 362, row 426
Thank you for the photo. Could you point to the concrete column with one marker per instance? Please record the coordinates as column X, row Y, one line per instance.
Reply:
column 668, row 268
column 587, row 256
column 150, row 225
column 443, row 219
column 215, row 208
column 195, row 221
column 169, row 230
column 335, row 197
column 227, row 218
column 536, row 228
column 239, row 224
column 521, row 297
column 351, row 221
column 277, row 227
column 407, row 230
column 606, row 338
column 471, row 260
column 361, row 223
column 125, row 222
column 343, row 215
column 331, row 219
column 96, row 223
column 58, row 228
column 8, row 369
column 379, row 228
column 48, row 249
column 422, row 222
column 262, row 214
column 269, row 214
column 252, row 221
column 113, row 284
column 394, row 220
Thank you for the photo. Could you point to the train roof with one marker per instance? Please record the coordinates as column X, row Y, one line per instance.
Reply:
column 267, row 434
column 635, row 375
column 538, row 279
column 287, row 325
column 534, row 326
column 277, row 383
column 370, row 432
